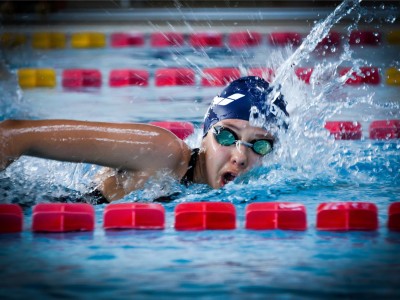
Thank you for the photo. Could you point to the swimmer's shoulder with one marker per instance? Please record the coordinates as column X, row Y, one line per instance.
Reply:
column 173, row 148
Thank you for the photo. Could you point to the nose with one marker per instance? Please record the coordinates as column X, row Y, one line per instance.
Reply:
column 239, row 156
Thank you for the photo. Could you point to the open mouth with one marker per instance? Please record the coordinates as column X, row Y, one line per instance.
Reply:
column 228, row 177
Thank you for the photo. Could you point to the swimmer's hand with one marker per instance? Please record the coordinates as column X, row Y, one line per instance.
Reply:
column 6, row 145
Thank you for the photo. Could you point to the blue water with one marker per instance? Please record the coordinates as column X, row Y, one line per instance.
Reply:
column 308, row 167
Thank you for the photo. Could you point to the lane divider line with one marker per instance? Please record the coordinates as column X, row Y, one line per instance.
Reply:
column 188, row 216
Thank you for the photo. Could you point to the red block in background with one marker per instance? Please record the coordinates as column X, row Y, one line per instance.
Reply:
column 77, row 78
column 134, row 216
column 219, row 76
column 11, row 218
column 181, row 129
column 344, row 130
column 304, row 74
column 361, row 38
column 384, row 129
column 244, row 39
column 284, row 38
column 333, row 39
column 276, row 215
column 166, row 39
column 267, row 73
column 369, row 75
column 171, row 77
column 206, row 39
column 122, row 39
column 120, row 78
column 394, row 216
column 205, row 215
column 62, row 217
column 347, row 216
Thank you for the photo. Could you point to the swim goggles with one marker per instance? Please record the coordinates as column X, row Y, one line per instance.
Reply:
column 226, row 137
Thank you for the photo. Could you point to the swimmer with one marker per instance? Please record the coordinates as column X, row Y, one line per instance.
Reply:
column 134, row 153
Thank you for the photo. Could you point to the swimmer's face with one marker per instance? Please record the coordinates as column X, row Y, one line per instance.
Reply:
column 225, row 163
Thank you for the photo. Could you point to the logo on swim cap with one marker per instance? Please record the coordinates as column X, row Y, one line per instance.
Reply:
column 225, row 101
column 247, row 99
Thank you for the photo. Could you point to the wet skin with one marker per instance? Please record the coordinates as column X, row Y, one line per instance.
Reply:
column 137, row 151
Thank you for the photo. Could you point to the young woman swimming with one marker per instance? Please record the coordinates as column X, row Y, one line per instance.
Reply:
column 134, row 153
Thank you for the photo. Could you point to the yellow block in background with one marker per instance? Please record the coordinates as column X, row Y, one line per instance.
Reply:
column 393, row 76
column 11, row 39
column 393, row 37
column 31, row 78
column 88, row 40
column 48, row 40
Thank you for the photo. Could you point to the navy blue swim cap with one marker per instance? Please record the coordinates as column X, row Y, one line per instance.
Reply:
column 246, row 99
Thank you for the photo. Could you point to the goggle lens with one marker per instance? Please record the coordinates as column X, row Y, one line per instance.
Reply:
column 226, row 137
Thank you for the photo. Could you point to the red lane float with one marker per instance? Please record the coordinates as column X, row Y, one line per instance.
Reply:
column 304, row 74
column 276, row 215
column 166, row 39
column 361, row 38
column 62, row 217
column 394, row 216
column 123, row 39
column 284, row 38
column 344, row 130
column 134, row 216
column 267, row 73
column 78, row 78
column 11, row 218
column 205, row 215
column 206, row 39
column 384, row 129
column 219, row 76
column 333, row 39
column 181, row 129
column 126, row 77
column 244, row 39
column 369, row 75
column 171, row 77
column 347, row 216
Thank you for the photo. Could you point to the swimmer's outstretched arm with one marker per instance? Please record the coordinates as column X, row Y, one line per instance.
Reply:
column 134, row 147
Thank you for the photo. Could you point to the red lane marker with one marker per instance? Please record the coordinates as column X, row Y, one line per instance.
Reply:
column 276, row 215
column 122, row 39
column 178, row 76
column 369, row 75
column 285, row 38
column 134, row 216
column 394, row 216
column 344, row 130
column 333, row 39
column 126, row 77
column 384, row 129
column 181, row 129
column 347, row 216
column 368, row 38
column 304, row 74
column 244, row 39
column 62, row 217
column 267, row 73
column 205, row 216
column 166, row 39
column 77, row 78
column 219, row 76
column 11, row 218
column 206, row 39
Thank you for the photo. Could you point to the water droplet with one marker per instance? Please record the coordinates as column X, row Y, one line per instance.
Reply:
column 390, row 19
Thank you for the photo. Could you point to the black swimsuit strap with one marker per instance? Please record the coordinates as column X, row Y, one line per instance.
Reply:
column 189, row 176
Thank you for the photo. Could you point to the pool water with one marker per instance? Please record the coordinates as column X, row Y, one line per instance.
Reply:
column 308, row 167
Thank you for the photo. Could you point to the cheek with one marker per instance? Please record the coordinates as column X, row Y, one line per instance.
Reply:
column 255, row 160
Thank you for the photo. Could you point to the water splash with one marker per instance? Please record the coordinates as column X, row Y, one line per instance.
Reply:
column 319, row 31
